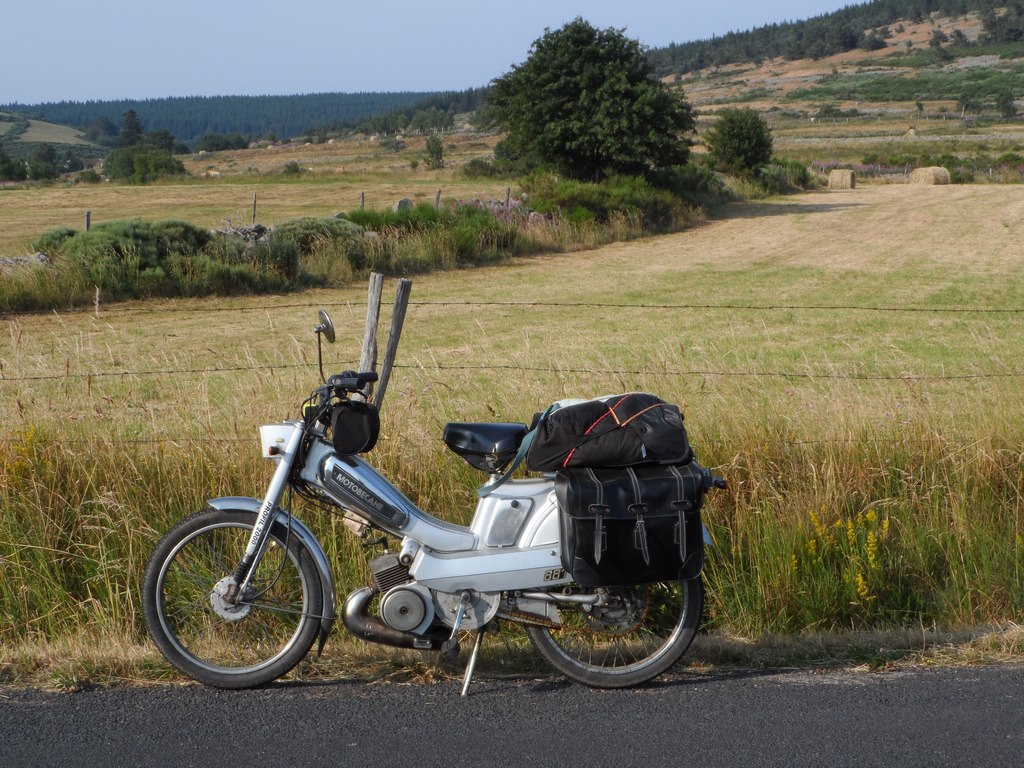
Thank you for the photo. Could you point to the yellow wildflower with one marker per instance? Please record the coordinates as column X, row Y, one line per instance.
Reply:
column 862, row 588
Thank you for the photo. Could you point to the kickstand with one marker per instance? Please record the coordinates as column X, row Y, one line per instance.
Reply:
column 468, row 677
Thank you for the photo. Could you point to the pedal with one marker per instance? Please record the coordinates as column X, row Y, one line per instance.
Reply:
column 450, row 647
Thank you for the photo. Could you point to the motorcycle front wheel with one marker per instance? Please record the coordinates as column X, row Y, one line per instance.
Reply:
column 226, row 643
column 632, row 635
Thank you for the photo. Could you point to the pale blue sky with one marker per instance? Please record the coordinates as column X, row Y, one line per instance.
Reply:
column 53, row 50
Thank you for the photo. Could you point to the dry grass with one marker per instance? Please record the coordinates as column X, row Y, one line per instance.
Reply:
column 336, row 178
column 70, row 663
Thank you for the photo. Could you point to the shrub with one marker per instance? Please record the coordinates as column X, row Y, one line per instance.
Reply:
column 141, row 163
column 307, row 231
column 480, row 168
column 337, row 235
column 582, row 201
column 51, row 242
column 435, row 153
column 740, row 142
column 696, row 184
column 781, row 176
column 418, row 217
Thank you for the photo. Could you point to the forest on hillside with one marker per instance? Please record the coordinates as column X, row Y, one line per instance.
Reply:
column 837, row 32
column 189, row 117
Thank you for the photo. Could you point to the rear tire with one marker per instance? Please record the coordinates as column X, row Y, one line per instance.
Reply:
column 240, row 645
column 636, row 635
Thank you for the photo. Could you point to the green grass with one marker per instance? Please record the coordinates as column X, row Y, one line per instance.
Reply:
column 873, row 456
column 924, row 85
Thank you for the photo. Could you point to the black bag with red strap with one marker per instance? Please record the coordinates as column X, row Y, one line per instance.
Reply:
column 618, row 431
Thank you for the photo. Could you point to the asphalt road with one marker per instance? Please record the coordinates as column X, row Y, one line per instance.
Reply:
column 939, row 717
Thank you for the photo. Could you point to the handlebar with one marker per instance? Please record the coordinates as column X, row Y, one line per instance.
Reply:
column 350, row 381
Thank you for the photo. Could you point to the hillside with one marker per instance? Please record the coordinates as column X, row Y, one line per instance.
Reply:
column 922, row 99
column 868, row 26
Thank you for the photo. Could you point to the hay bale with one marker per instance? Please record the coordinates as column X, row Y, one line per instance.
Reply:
column 841, row 178
column 932, row 175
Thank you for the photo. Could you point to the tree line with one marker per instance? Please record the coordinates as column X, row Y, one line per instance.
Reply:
column 190, row 117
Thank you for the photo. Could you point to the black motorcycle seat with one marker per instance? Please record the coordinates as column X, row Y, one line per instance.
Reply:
column 486, row 446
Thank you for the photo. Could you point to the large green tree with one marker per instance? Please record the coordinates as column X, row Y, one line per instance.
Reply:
column 585, row 103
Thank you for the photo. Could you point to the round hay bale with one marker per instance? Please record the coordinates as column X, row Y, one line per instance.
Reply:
column 842, row 178
column 935, row 174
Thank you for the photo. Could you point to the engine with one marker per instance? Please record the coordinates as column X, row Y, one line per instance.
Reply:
column 404, row 605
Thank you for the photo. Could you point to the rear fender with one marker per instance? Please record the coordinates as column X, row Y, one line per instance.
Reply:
column 328, row 610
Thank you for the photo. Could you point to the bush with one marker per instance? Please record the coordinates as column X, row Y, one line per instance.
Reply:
column 781, row 176
column 141, row 163
column 51, row 242
column 480, row 168
column 582, row 201
column 740, row 142
column 696, row 184
column 435, row 153
column 419, row 217
column 307, row 231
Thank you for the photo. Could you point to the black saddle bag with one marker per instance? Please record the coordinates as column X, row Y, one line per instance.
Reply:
column 632, row 525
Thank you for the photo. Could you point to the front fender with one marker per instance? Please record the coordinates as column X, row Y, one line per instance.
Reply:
column 328, row 611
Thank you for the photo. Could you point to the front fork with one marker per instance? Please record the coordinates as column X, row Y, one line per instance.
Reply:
column 260, row 537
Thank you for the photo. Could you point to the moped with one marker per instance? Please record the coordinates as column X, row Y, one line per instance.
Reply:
column 237, row 594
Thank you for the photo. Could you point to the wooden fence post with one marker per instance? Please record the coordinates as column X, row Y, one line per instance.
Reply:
column 362, row 200
column 437, row 200
column 254, row 209
column 368, row 355
column 397, row 320
column 88, row 220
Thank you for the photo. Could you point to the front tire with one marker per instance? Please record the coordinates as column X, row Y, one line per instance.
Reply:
column 230, row 645
column 634, row 635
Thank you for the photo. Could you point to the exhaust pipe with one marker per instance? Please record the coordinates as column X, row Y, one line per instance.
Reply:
column 366, row 627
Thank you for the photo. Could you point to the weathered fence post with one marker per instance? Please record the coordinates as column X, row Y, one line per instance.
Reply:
column 368, row 355
column 254, row 209
column 397, row 321
column 437, row 200
column 88, row 220
column 362, row 200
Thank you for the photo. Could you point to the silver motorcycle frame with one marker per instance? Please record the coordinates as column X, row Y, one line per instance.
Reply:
column 512, row 543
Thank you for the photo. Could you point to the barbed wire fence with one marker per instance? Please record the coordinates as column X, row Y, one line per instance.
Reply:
column 7, row 380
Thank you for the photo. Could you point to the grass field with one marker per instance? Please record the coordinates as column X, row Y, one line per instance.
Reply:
column 849, row 360
column 221, row 186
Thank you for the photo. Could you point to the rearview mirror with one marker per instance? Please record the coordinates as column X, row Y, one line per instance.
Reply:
column 326, row 327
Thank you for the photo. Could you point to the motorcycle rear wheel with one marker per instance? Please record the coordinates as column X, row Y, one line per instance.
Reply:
column 637, row 635
column 223, row 644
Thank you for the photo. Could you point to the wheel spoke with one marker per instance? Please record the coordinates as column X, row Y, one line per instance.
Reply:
column 248, row 643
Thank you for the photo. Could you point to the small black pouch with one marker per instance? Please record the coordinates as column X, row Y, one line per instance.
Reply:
column 355, row 426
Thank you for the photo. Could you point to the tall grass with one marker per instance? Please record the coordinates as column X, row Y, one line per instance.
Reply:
column 864, row 527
